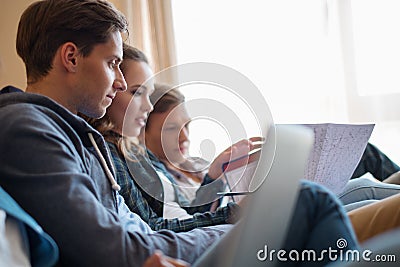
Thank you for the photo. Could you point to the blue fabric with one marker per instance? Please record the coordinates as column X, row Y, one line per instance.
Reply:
column 49, row 167
column 318, row 222
column 10, row 89
column 363, row 189
column 43, row 249
column 205, row 195
column 139, row 181
column 375, row 162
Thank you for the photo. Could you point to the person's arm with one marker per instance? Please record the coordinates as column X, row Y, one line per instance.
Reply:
column 138, row 204
column 238, row 149
column 206, row 194
column 60, row 186
column 158, row 259
column 378, row 164
column 393, row 179
column 213, row 181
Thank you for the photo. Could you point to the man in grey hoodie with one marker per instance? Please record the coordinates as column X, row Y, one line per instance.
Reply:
column 53, row 163
column 58, row 168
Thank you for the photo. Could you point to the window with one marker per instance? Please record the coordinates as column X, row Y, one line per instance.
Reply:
column 314, row 61
column 377, row 46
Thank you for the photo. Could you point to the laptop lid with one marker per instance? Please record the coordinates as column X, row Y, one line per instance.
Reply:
column 266, row 219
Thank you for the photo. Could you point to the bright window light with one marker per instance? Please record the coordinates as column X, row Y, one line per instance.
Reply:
column 377, row 46
column 284, row 47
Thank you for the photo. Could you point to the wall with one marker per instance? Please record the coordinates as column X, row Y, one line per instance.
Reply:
column 12, row 70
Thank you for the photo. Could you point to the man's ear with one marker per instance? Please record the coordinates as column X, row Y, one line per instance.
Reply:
column 69, row 56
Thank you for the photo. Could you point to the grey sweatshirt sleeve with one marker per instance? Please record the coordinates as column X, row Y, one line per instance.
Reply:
column 47, row 169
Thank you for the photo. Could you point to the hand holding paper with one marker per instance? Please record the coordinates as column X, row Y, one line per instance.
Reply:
column 237, row 150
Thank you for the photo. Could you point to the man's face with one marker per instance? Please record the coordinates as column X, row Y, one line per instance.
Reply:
column 99, row 77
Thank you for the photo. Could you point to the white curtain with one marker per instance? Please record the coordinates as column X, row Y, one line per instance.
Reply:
column 151, row 30
column 378, row 107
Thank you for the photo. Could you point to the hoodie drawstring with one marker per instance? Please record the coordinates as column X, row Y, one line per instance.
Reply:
column 103, row 162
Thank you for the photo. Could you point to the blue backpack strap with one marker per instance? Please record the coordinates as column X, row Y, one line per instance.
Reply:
column 43, row 249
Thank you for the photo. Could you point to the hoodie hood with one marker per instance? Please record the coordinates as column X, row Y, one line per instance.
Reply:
column 81, row 131
column 10, row 95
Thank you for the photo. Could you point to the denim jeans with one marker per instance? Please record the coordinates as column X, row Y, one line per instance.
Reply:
column 375, row 162
column 362, row 191
column 319, row 222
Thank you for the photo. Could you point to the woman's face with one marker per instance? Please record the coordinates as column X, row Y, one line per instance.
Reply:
column 129, row 109
column 167, row 134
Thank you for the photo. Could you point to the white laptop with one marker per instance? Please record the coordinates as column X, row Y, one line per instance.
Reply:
column 266, row 219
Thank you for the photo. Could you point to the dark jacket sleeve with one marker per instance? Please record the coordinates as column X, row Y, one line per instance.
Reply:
column 137, row 203
column 207, row 194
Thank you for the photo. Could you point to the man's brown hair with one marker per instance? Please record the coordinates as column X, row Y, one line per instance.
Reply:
column 46, row 25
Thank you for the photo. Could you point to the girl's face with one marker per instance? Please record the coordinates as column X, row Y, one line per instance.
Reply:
column 129, row 110
column 167, row 134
